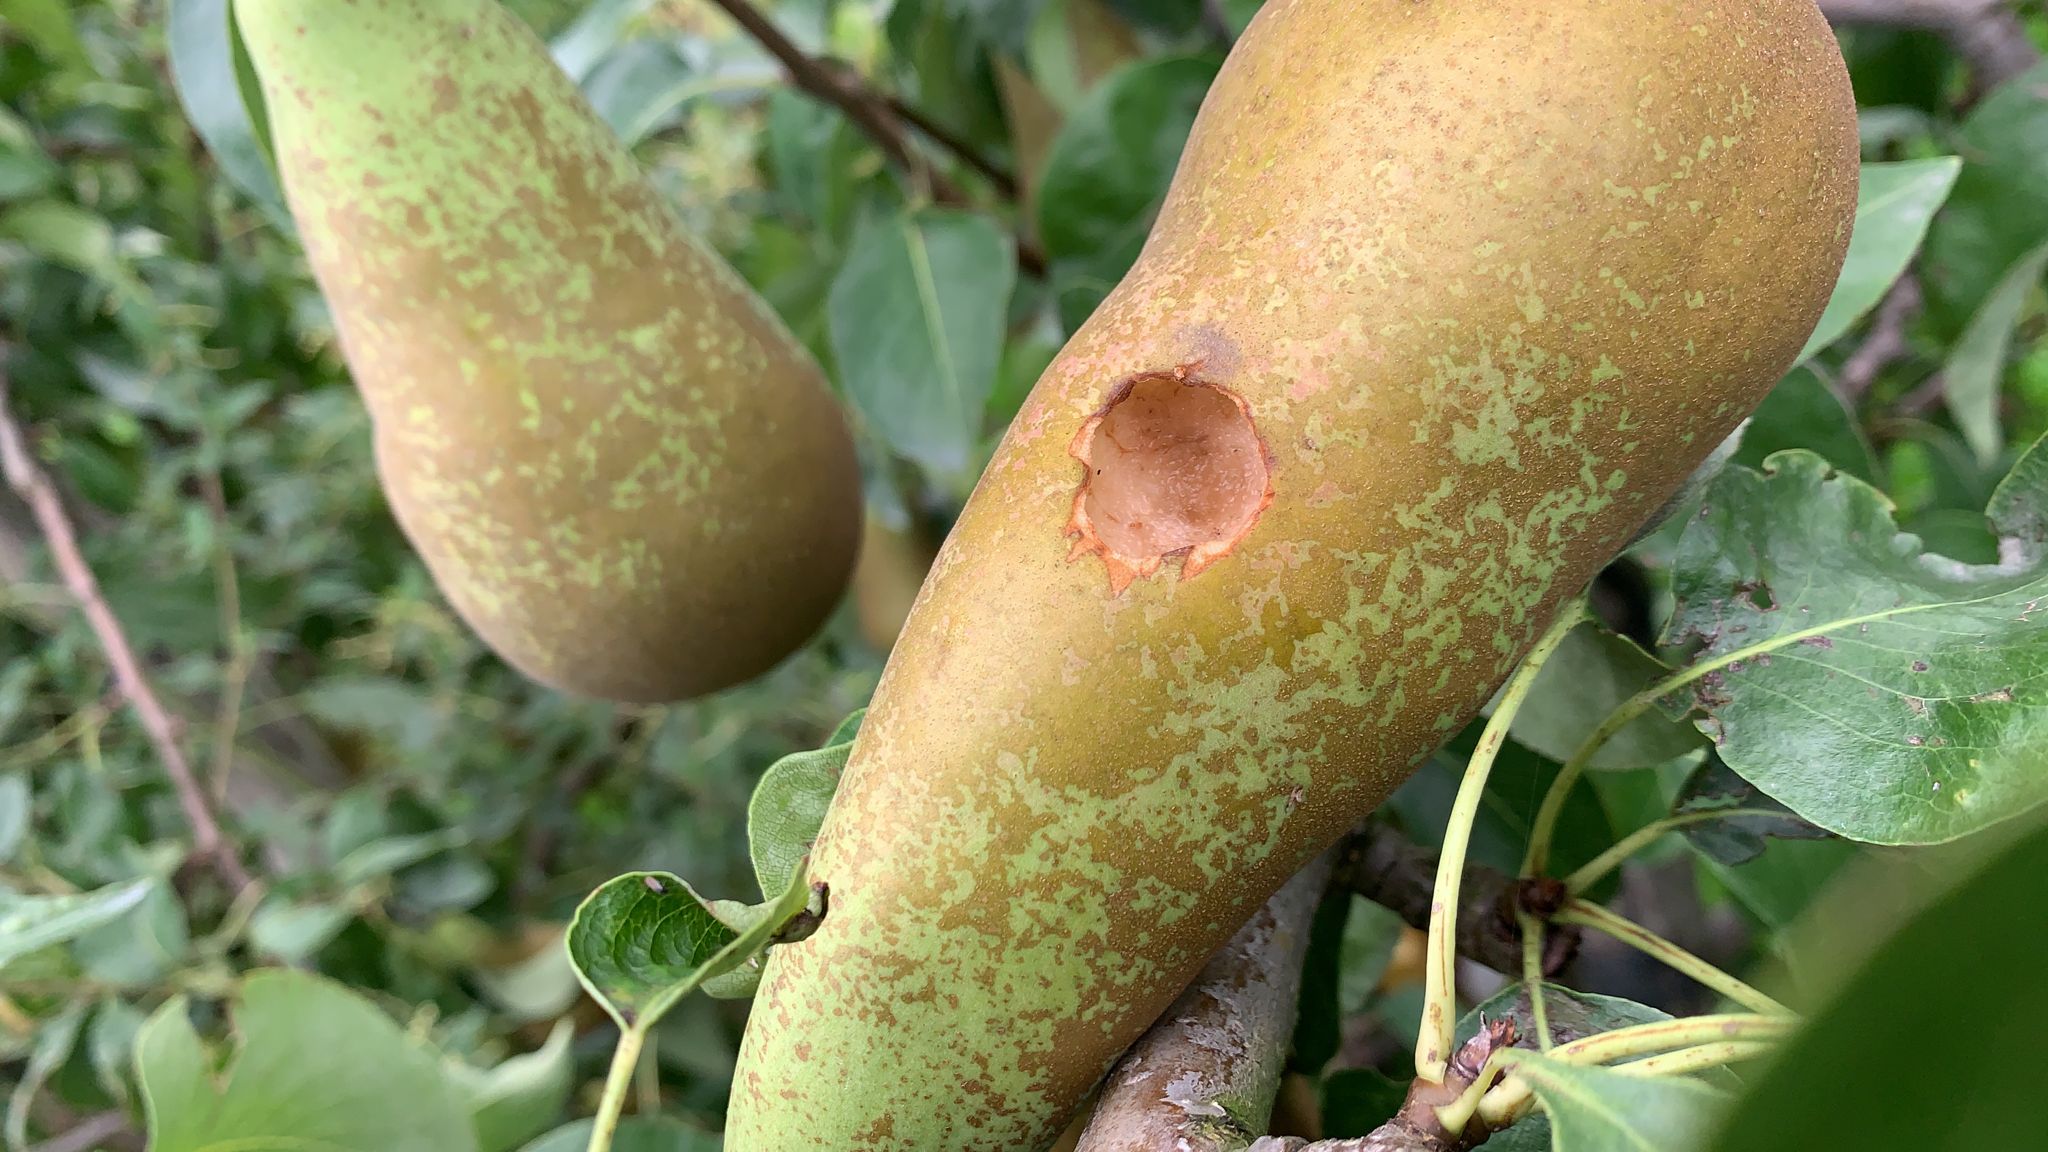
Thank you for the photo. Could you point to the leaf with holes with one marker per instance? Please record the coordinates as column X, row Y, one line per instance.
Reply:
column 646, row 940
column 316, row 1067
column 1728, row 818
column 917, row 315
column 1883, row 693
column 1803, row 412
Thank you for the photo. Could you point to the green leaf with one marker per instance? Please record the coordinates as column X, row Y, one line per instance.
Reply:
column 1779, row 884
column 788, row 809
column 640, row 88
column 1596, row 1110
column 635, row 1134
column 1803, row 412
column 33, row 923
column 17, row 809
column 1516, row 787
column 1357, row 1100
column 1108, row 173
column 64, row 234
column 601, row 28
column 1573, row 1015
column 48, row 25
column 917, row 316
column 646, row 940
column 316, row 1067
column 380, row 858
column 519, row 1099
column 210, row 71
column 110, row 1043
column 1976, row 365
column 1741, row 816
column 848, row 728
column 1370, row 934
column 25, row 169
column 139, row 948
column 294, row 932
column 1593, row 672
column 1929, row 1046
column 1886, row 695
column 1997, row 209
column 1894, row 207
column 56, row 1040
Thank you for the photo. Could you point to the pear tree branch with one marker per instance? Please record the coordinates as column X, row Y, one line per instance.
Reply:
column 34, row 487
column 877, row 115
column 1987, row 34
column 1204, row 1078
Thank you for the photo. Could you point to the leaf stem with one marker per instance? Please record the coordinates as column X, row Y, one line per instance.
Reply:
column 1698, row 1058
column 1670, row 1035
column 617, row 1084
column 1532, row 975
column 1590, row 915
column 1597, row 869
column 1437, row 1037
column 1690, row 1051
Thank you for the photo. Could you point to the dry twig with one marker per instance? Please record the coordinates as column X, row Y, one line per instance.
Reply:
column 35, row 490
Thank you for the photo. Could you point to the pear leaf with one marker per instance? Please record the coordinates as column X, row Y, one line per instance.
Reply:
column 1885, row 694
column 1597, row 1110
column 32, row 923
column 1927, row 1046
column 645, row 940
column 1894, row 206
column 317, row 1066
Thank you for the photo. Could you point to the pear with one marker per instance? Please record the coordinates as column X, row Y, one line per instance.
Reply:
column 1444, row 302
column 622, row 469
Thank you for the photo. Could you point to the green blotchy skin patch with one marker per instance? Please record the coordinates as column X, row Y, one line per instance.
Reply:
column 1493, row 279
column 620, row 466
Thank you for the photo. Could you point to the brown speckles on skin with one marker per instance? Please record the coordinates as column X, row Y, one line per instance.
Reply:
column 1062, row 802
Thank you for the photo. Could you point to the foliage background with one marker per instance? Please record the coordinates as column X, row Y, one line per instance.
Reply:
column 425, row 821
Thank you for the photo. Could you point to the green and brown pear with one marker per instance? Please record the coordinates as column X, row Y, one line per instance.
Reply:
column 1445, row 302
column 620, row 466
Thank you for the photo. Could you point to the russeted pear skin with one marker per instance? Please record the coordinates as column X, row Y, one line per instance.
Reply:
column 1484, row 282
column 620, row 466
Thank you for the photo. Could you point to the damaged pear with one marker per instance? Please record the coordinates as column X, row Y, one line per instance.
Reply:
column 1444, row 303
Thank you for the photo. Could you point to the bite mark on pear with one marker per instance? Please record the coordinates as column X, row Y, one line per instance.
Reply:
column 1171, row 466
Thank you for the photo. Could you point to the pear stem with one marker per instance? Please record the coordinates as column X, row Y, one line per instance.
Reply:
column 1439, row 1013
